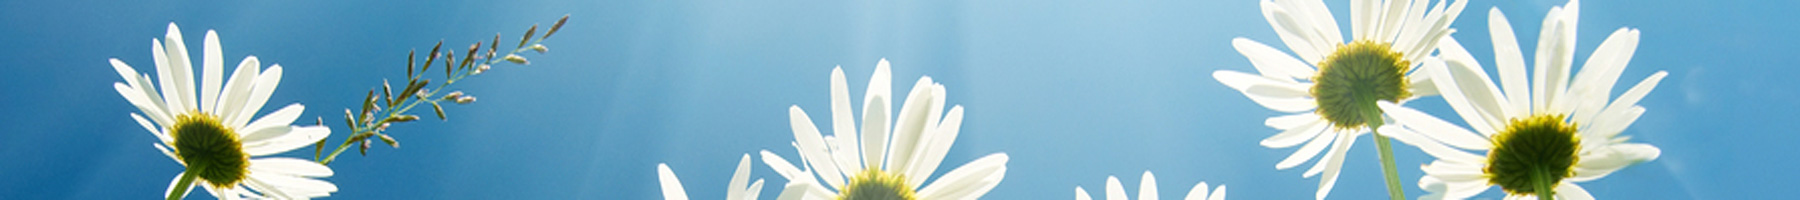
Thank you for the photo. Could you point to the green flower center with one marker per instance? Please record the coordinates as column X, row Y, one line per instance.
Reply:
column 1532, row 154
column 1354, row 77
column 211, row 151
column 874, row 184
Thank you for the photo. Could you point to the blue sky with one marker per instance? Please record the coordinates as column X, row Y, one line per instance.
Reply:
column 1072, row 91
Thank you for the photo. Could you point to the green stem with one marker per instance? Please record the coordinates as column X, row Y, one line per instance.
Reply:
column 1542, row 183
column 1387, row 167
column 1395, row 190
column 181, row 187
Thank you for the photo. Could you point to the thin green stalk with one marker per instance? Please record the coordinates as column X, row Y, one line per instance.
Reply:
column 1395, row 190
column 365, row 131
column 1542, row 181
column 181, row 187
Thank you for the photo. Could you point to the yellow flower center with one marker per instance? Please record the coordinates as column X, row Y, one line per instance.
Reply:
column 874, row 184
column 1532, row 154
column 1354, row 77
column 211, row 151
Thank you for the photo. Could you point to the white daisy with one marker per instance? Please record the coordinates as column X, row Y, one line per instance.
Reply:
column 886, row 163
column 1546, row 136
column 1147, row 190
column 1334, row 102
column 212, row 133
column 672, row 190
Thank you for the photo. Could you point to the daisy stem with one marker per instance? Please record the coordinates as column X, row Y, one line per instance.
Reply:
column 1542, row 183
column 363, row 132
column 181, row 187
column 1395, row 191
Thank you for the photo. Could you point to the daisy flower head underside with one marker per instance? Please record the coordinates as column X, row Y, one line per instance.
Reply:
column 1542, row 135
column 1331, row 89
column 212, row 129
column 735, row 190
column 1147, row 190
column 883, row 161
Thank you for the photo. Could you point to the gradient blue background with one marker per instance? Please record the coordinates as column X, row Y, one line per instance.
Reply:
column 1073, row 91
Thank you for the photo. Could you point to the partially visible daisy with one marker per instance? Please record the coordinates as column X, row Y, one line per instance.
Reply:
column 1147, row 190
column 210, row 130
column 1546, row 136
column 1331, row 89
column 886, row 163
column 672, row 190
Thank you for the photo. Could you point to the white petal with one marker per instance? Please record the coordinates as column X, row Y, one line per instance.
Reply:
column 150, row 107
column 1217, row 194
column 152, row 128
column 1334, row 161
column 755, row 190
column 932, row 154
column 1362, row 18
column 296, row 186
column 1272, row 63
column 1081, row 194
column 1435, row 128
column 875, row 114
column 1464, row 93
column 1510, row 61
column 912, row 123
column 1115, row 190
column 281, row 117
column 1602, row 70
column 1431, row 147
column 259, row 94
column 1286, row 103
column 1293, row 34
column 969, row 181
column 237, row 90
column 843, row 123
column 1320, row 139
column 274, row 140
column 735, row 188
column 812, row 146
column 289, row 166
column 1570, row 191
column 1147, row 187
column 671, row 185
column 1618, row 111
column 794, row 190
column 183, row 71
column 782, row 167
column 1286, row 122
column 1598, row 163
column 1197, row 193
column 1296, row 135
column 212, row 64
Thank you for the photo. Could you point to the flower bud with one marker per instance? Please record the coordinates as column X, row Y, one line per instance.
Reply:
column 516, row 59
column 540, row 48
column 465, row 100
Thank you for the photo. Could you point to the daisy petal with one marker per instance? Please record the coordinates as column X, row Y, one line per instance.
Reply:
column 1296, row 135
column 281, row 117
column 1293, row 34
column 274, row 140
column 875, row 114
column 1114, row 189
column 176, row 182
column 1272, row 63
column 1570, row 191
column 734, row 188
column 782, row 167
column 211, row 65
column 1435, row 128
column 1334, row 161
column 911, row 125
column 1197, row 193
column 183, row 72
column 843, row 123
column 1286, row 122
column 259, row 95
column 1510, row 61
column 671, row 185
column 289, row 166
column 237, row 90
column 1081, row 194
column 812, row 146
column 1282, row 101
column 969, row 181
column 1320, row 139
column 1147, row 187
column 932, row 154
